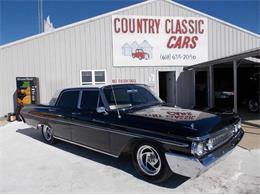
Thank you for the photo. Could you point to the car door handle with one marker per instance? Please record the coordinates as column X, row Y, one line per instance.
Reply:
column 52, row 110
column 98, row 121
column 75, row 113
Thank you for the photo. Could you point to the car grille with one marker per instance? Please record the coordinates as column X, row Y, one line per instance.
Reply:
column 222, row 138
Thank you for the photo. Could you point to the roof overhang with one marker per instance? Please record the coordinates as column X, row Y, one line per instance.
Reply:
column 249, row 55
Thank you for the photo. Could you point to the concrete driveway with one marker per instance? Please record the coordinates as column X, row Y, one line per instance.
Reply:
column 251, row 126
column 28, row 165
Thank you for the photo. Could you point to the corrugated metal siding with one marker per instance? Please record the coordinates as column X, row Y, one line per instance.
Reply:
column 58, row 57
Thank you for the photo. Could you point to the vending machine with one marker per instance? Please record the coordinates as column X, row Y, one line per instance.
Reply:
column 27, row 91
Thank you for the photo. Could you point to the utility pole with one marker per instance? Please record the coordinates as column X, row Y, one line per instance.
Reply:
column 40, row 16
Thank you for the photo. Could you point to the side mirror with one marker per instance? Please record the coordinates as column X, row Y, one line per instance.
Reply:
column 101, row 110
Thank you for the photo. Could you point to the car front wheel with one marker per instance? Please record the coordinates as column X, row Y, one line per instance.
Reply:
column 150, row 163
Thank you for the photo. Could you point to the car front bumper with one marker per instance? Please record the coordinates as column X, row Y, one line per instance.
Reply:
column 191, row 166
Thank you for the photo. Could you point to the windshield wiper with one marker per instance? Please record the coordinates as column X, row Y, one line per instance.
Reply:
column 143, row 105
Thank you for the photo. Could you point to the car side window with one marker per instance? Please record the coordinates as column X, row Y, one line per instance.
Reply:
column 69, row 99
column 100, row 102
column 89, row 100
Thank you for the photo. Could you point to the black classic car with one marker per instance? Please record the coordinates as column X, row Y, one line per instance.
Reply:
column 129, row 118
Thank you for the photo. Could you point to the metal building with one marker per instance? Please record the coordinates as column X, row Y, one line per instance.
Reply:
column 150, row 42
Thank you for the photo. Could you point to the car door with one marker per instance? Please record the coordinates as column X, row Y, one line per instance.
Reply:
column 66, row 105
column 89, row 127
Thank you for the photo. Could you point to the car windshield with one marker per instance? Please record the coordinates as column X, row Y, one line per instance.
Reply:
column 128, row 96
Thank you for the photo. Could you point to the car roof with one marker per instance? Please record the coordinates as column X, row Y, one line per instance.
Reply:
column 98, row 86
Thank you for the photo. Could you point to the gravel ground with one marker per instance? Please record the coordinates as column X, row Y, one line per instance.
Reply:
column 28, row 165
column 3, row 121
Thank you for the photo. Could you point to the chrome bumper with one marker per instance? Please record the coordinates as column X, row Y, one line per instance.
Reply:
column 191, row 166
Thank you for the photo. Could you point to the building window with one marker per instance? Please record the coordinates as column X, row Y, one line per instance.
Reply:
column 92, row 77
column 99, row 76
column 86, row 77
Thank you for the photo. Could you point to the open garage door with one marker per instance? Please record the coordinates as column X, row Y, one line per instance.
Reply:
column 233, row 81
column 201, row 89
column 223, row 87
column 248, row 80
column 247, row 91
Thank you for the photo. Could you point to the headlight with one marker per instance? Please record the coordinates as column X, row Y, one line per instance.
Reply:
column 197, row 148
column 237, row 126
column 200, row 148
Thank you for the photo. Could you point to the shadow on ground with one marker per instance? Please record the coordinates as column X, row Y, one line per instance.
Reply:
column 123, row 162
column 249, row 118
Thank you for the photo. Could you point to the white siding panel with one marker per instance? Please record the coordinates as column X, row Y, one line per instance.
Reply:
column 67, row 57
column 2, row 87
column 82, row 46
column 62, row 73
column 58, row 59
column 211, row 41
column 52, row 63
column 102, row 32
column 234, row 41
column 88, row 47
column 73, row 64
column 78, row 54
column 2, row 97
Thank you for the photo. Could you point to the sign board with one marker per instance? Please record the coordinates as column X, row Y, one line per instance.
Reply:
column 159, row 41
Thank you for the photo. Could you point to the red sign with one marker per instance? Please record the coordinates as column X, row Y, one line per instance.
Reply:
column 114, row 81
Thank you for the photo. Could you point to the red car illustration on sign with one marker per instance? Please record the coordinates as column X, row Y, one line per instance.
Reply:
column 140, row 54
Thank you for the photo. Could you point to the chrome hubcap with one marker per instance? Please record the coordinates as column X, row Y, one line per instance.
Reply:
column 149, row 160
column 47, row 132
column 253, row 105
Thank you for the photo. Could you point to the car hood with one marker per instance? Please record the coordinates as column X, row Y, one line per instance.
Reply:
column 199, row 121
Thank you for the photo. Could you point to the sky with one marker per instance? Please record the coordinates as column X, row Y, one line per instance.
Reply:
column 19, row 19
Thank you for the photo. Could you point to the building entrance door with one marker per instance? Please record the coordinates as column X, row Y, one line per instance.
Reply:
column 201, row 89
column 167, row 87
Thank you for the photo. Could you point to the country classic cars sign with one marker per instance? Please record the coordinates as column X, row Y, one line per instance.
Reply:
column 159, row 41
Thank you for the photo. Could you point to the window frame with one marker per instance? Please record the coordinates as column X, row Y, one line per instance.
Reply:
column 68, row 90
column 93, row 82
column 86, row 83
column 86, row 90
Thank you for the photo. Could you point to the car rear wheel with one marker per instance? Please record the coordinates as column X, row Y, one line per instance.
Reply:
column 47, row 133
column 253, row 105
column 150, row 163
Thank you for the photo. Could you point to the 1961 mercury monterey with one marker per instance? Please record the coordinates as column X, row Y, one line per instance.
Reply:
column 114, row 119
